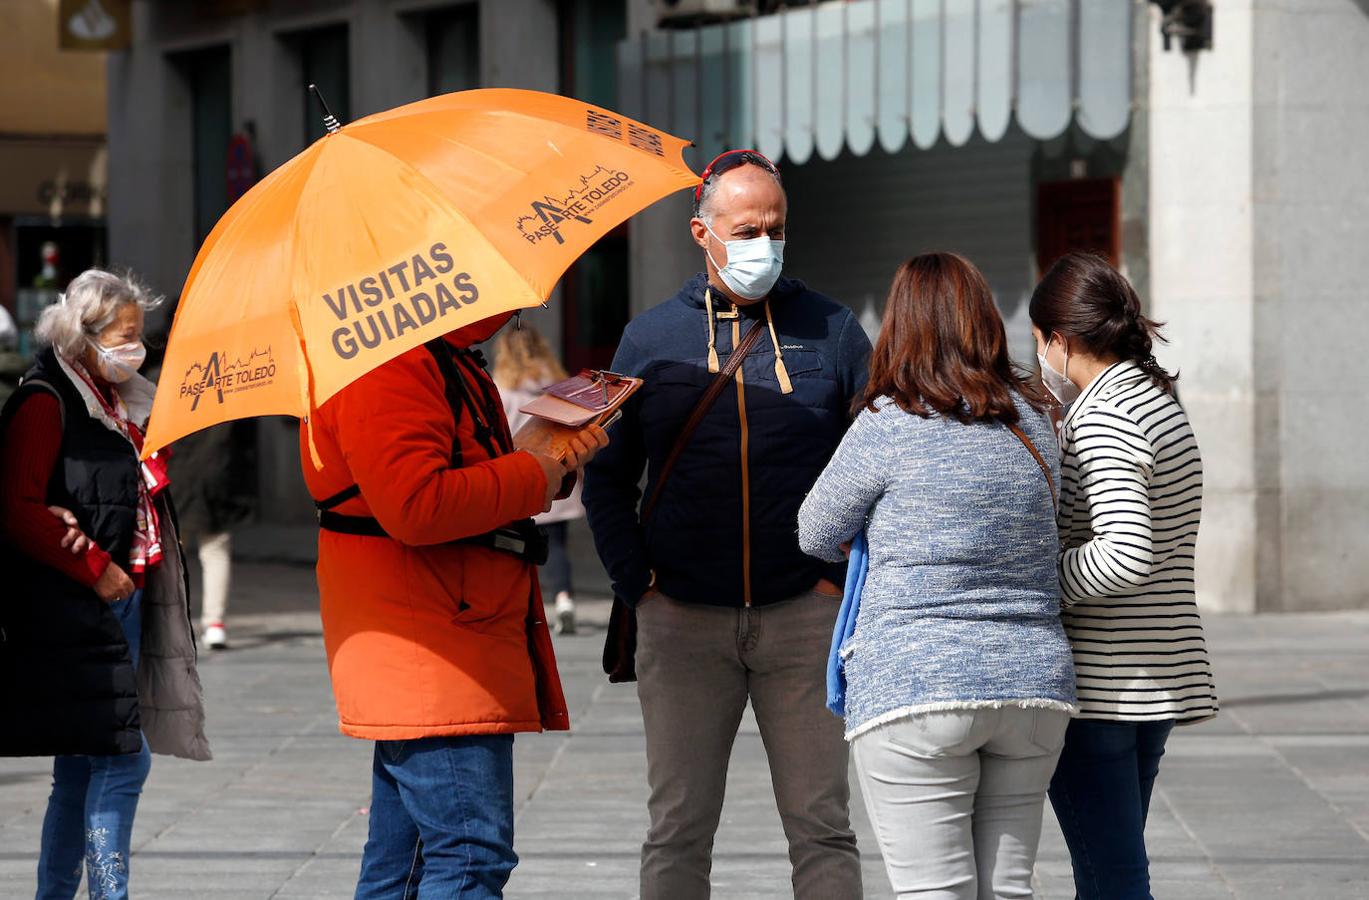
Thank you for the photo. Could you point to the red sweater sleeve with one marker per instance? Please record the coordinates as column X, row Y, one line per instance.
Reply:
column 32, row 443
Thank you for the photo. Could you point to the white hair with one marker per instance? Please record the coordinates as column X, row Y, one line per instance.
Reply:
column 90, row 303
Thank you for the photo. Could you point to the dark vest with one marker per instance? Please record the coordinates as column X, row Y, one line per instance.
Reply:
column 67, row 683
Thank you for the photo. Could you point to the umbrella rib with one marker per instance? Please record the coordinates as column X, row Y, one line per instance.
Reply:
column 297, row 269
column 483, row 154
column 438, row 197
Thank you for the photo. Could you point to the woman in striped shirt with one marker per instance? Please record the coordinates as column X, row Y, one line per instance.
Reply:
column 1130, row 500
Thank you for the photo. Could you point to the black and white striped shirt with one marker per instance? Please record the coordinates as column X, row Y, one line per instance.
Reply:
column 1131, row 495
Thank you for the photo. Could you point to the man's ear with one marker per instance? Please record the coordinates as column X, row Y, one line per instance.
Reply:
column 700, row 232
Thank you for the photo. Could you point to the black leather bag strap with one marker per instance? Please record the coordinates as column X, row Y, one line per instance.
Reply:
column 1040, row 461
column 710, row 396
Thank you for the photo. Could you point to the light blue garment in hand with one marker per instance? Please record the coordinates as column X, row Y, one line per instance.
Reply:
column 857, row 568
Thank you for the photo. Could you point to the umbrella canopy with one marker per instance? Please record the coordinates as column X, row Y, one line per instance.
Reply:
column 390, row 231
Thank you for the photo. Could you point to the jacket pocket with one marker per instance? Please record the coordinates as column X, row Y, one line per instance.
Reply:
column 803, row 363
column 494, row 589
column 473, row 587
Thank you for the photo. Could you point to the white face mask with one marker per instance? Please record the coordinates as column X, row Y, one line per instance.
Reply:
column 119, row 364
column 753, row 265
column 1058, row 383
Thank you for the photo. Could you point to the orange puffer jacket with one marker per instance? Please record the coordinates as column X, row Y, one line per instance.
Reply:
column 426, row 637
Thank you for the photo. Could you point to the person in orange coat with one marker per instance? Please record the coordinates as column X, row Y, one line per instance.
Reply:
column 432, row 618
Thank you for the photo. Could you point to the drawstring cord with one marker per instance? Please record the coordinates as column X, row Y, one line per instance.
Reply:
column 712, row 334
column 781, row 373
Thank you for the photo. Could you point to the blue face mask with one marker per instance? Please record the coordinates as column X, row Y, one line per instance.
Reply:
column 753, row 265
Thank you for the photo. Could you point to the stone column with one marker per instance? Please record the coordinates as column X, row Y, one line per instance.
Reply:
column 1202, row 284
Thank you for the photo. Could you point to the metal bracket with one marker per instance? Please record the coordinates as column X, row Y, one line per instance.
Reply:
column 1187, row 21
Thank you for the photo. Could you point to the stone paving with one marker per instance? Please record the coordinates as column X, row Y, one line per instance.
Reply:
column 1269, row 801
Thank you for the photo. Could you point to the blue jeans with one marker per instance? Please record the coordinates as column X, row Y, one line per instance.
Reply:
column 1101, row 795
column 441, row 820
column 91, row 808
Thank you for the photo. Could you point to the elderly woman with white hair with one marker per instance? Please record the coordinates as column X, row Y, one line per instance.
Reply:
column 96, row 651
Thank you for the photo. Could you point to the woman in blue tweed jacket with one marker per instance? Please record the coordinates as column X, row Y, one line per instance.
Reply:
column 959, row 679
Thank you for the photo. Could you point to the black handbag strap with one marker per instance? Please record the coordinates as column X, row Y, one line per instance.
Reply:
column 710, row 396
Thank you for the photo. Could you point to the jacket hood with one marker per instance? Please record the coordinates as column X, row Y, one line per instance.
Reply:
column 693, row 292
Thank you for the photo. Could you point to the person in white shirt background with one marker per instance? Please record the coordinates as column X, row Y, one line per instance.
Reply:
column 523, row 366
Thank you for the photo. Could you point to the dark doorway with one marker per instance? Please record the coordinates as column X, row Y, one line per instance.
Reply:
column 453, row 38
column 1082, row 214
column 595, row 303
column 323, row 61
column 208, row 74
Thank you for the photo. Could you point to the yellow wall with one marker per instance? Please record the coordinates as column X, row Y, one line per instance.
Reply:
column 44, row 90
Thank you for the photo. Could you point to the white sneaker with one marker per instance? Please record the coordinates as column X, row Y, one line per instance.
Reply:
column 215, row 637
column 565, row 614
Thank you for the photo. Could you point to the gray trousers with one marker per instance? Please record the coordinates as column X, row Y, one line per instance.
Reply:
column 696, row 668
column 956, row 799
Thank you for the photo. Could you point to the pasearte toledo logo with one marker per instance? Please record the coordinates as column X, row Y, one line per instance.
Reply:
column 223, row 374
column 553, row 213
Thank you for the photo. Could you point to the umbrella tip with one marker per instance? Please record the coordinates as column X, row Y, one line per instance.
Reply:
column 329, row 120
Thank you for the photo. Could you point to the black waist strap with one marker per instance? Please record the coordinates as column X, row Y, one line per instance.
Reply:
column 521, row 539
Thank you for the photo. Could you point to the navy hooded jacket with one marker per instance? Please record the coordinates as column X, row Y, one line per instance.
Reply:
column 725, row 531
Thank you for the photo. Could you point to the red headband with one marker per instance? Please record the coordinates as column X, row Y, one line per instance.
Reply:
column 712, row 168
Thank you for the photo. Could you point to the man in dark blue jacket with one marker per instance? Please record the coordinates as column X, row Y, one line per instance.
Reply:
column 729, row 608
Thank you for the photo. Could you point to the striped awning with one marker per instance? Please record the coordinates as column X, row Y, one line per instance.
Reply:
column 847, row 75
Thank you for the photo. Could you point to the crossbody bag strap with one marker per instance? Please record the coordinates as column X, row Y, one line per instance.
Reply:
column 1040, row 461
column 710, row 396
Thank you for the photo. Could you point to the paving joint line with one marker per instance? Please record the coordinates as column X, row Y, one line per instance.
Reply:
column 1341, row 812
column 317, row 852
column 555, row 758
column 242, row 776
column 1197, row 842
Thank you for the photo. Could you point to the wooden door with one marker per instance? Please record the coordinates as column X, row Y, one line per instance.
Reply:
column 1082, row 214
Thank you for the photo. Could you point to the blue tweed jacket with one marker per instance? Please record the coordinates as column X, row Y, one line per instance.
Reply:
column 961, row 606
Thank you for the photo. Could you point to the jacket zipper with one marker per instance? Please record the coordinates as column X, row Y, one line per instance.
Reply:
column 746, row 472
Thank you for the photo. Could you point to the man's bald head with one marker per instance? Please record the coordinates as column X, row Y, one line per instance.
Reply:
column 742, row 160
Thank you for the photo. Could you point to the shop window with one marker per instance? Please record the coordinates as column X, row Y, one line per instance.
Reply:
column 595, row 301
column 208, row 75
column 1082, row 214
column 453, row 38
column 589, row 36
column 46, row 256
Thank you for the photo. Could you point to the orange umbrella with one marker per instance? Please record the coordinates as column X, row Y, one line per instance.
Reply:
column 390, row 231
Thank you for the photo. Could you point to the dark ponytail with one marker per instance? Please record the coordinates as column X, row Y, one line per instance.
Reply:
column 1084, row 298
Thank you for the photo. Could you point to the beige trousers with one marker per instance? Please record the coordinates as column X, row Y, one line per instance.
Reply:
column 697, row 667
column 956, row 799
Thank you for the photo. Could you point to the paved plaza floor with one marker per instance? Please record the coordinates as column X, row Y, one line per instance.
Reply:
column 1269, row 801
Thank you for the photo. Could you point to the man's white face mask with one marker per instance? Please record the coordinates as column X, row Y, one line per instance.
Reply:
column 753, row 265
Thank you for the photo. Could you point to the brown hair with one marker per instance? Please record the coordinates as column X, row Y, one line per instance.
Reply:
column 522, row 358
column 943, row 347
column 1085, row 299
